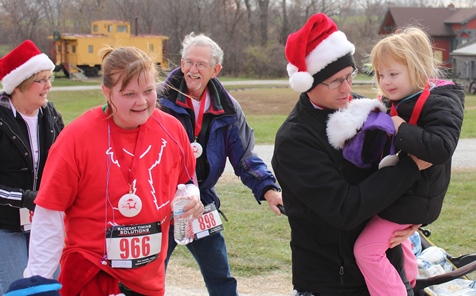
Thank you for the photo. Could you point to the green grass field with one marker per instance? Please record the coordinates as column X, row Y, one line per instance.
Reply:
column 257, row 239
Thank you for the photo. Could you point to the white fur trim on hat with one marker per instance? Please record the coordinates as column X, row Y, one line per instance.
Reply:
column 34, row 65
column 343, row 124
column 329, row 50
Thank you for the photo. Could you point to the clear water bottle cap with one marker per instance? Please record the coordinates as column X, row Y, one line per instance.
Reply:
column 181, row 186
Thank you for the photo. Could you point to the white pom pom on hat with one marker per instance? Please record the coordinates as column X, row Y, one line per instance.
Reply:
column 314, row 47
column 300, row 81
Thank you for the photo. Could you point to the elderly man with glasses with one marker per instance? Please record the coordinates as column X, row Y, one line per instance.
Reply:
column 217, row 130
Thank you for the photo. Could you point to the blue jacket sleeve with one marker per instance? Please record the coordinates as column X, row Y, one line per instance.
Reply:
column 252, row 170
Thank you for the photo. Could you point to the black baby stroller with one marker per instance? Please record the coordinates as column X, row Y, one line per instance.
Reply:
column 462, row 266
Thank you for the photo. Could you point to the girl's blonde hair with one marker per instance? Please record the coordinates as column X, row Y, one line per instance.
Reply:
column 123, row 64
column 411, row 47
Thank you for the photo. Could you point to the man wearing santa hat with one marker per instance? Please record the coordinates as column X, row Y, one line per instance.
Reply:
column 327, row 198
column 29, row 125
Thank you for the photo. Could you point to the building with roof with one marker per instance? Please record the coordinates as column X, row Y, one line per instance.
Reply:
column 449, row 27
column 464, row 66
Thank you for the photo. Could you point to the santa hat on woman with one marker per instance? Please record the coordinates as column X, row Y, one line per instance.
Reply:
column 316, row 52
column 21, row 63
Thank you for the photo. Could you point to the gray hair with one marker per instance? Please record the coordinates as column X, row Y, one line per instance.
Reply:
column 202, row 40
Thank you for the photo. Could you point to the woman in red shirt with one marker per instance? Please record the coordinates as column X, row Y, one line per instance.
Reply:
column 112, row 175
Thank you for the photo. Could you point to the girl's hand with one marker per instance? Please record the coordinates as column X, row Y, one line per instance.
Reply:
column 401, row 235
column 422, row 165
column 397, row 121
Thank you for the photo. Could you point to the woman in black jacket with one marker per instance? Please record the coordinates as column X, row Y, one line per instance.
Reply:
column 29, row 125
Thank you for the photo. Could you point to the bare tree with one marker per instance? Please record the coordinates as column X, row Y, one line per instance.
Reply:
column 24, row 16
column 178, row 20
column 52, row 10
column 223, row 22
column 362, row 28
column 251, row 32
column 285, row 25
column 126, row 10
column 263, row 20
column 85, row 11
column 148, row 20
column 249, row 18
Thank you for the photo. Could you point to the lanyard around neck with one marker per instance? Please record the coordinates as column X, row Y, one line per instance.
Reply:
column 121, row 155
column 199, row 121
column 418, row 106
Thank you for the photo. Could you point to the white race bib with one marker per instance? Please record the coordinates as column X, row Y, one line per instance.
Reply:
column 209, row 223
column 132, row 246
column 26, row 216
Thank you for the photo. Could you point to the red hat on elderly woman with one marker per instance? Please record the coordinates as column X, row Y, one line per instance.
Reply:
column 21, row 63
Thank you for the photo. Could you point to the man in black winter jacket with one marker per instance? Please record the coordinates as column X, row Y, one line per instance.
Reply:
column 328, row 200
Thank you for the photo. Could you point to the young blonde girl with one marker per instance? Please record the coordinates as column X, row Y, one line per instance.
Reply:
column 427, row 113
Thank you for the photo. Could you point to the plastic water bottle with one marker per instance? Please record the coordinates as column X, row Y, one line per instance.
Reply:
column 183, row 230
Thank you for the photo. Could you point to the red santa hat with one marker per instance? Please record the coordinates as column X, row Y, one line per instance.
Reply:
column 316, row 52
column 21, row 63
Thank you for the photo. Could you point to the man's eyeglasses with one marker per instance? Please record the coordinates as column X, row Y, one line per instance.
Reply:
column 45, row 80
column 339, row 81
column 200, row 65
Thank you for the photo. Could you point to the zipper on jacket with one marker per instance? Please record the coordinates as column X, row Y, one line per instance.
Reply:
column 341, row 259
column 341, row 273
column 37, row 166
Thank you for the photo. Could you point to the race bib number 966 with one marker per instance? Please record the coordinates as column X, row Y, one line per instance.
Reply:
column 132, row 246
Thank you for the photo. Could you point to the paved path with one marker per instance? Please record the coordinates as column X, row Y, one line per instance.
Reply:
column 463, row 158
column 225, row 83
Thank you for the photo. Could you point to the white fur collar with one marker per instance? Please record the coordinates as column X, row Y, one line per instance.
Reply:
column 343, row 124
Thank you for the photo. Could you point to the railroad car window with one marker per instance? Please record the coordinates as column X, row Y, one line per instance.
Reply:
column 95, row 28
column 121, row 29
column 110, row 28
column 151, row 48
column 74, row 48
column 90, row 49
